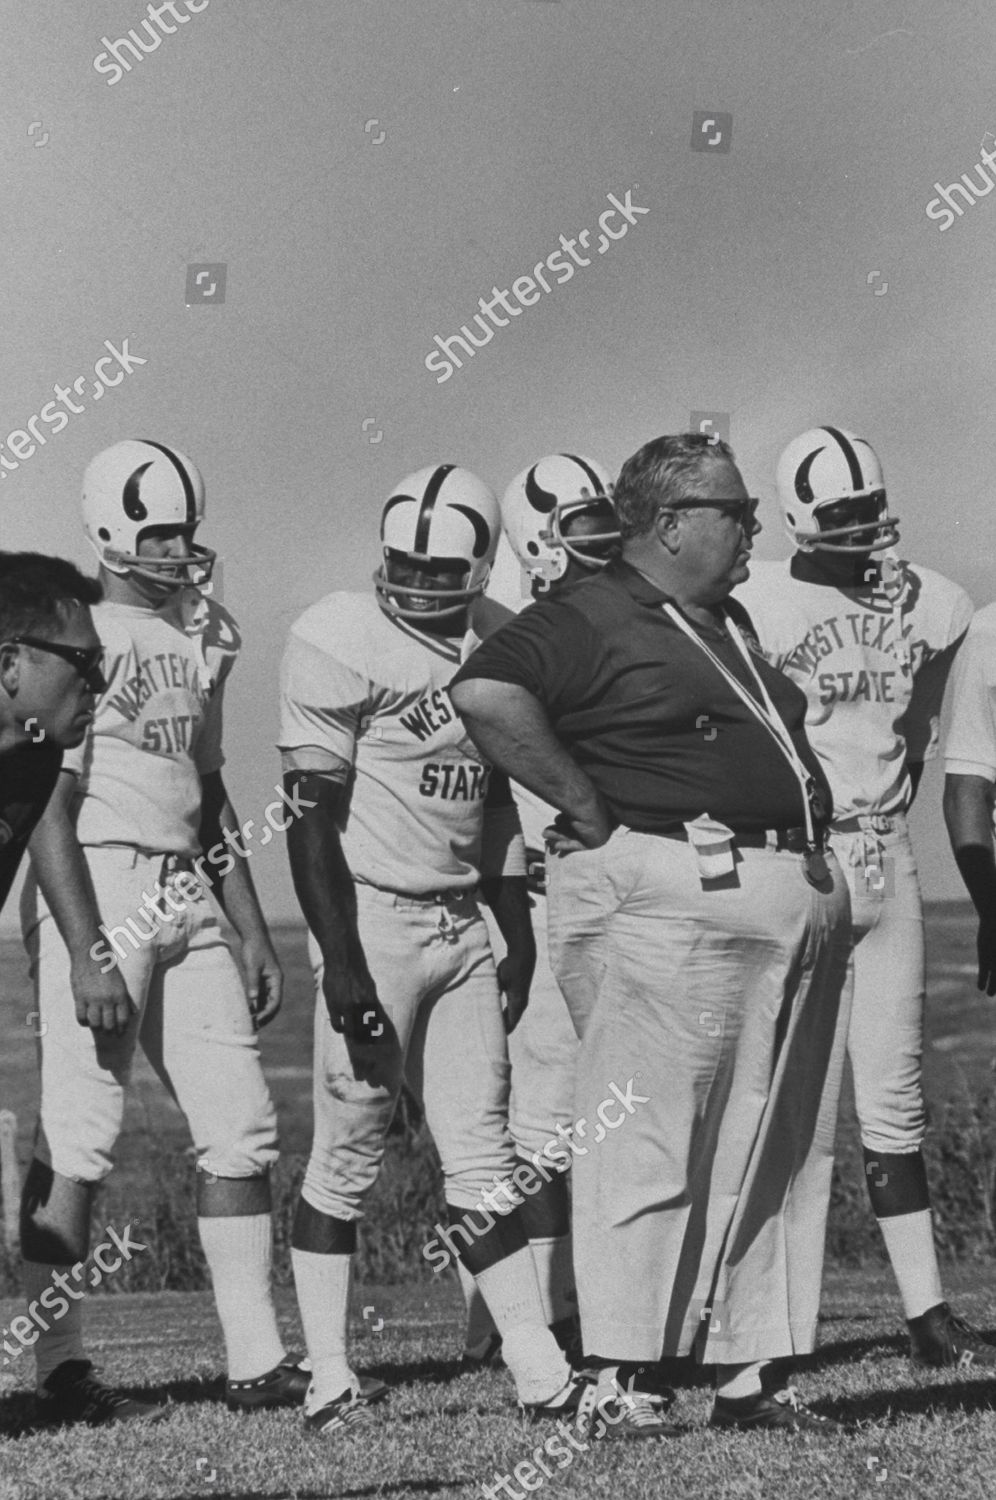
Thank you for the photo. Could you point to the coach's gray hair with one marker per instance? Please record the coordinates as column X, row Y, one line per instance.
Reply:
column 664, row 469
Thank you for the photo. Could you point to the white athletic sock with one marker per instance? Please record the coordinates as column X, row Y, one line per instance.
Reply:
column 322, row 1283
column 555, row 1274
column 239, row 1253
column 63, row 1337
column 480, row 1323
column 909, row 1239
column 734, row 1382
column 529, row 1349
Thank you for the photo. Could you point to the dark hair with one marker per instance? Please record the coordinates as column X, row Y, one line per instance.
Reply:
column 32, row 589
column 664, row 469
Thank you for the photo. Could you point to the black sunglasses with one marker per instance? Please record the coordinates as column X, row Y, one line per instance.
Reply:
column 744, row 512
column 86, row 659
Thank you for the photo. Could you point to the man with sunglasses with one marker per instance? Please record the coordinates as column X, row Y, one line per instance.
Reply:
column 50, row 678
column 126, row 949
column 870, row 640
column 696, row 928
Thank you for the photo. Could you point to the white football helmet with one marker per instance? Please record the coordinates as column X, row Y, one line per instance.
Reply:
column 538, row 503
column 832, row 493
column 137, row 485
column 445, row 517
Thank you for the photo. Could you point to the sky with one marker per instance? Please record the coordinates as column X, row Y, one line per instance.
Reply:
column 366, row 172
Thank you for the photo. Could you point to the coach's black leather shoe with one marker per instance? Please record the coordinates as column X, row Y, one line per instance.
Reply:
column 782, row 1410
column 939, row 1337
column 72, row 1393
column 284, row 1385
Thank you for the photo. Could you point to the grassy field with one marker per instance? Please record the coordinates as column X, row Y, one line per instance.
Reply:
column 917, row 1434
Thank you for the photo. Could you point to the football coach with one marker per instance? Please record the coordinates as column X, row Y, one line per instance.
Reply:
column 698, row 929
column 50, row 677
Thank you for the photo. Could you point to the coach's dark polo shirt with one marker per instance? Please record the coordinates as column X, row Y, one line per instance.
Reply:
column 645, row 713
column 27, row 777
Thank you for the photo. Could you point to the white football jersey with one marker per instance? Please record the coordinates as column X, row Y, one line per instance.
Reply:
column 872, row 662
column 361, row 688
column 970, row 747
column 157, row 728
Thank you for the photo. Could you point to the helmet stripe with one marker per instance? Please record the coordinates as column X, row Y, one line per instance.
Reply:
column 597, row 483
column 428, row 506
column 853, row 463
column 188, row 488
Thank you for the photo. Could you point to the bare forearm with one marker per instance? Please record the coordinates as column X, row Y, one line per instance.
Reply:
column 63, row 876
column 511, row 729
column 322, row 879
column 968, row 815
column 234, row 889
column 508, row 898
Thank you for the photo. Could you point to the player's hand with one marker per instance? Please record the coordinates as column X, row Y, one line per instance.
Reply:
column 264, row 979
column 515, row 975
column 356, row 1013
column 102, row 1000
column 589, row 829
column 986, row 948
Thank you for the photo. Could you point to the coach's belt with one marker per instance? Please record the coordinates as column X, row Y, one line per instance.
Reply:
column 793, row 839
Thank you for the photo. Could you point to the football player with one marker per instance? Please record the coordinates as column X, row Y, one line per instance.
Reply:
column 870, row 639
column 408, row 822
column 558, row 520
column 126, row 949
column 50, row 678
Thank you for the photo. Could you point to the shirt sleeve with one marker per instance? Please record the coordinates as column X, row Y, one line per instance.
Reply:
column 545, row 650
column 322, row 701
column 970, row 748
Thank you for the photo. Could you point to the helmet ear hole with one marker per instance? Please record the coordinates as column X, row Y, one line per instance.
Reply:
column 532, row 549
column 104, row 534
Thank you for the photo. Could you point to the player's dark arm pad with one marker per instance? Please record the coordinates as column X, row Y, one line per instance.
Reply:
column 321, row 876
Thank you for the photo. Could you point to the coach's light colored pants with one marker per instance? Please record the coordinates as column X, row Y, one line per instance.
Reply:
column 192, row 1021
column 701, row 1221
column 885, row 1045
column 435, row 975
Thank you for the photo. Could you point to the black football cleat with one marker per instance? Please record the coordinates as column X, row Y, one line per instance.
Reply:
column 72, row 1393
column 939, row 1338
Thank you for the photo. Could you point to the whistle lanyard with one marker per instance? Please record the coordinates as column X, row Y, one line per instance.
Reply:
column 767, row 715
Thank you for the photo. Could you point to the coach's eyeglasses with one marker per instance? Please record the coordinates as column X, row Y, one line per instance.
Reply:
column 744, row 512
column 86, row 659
